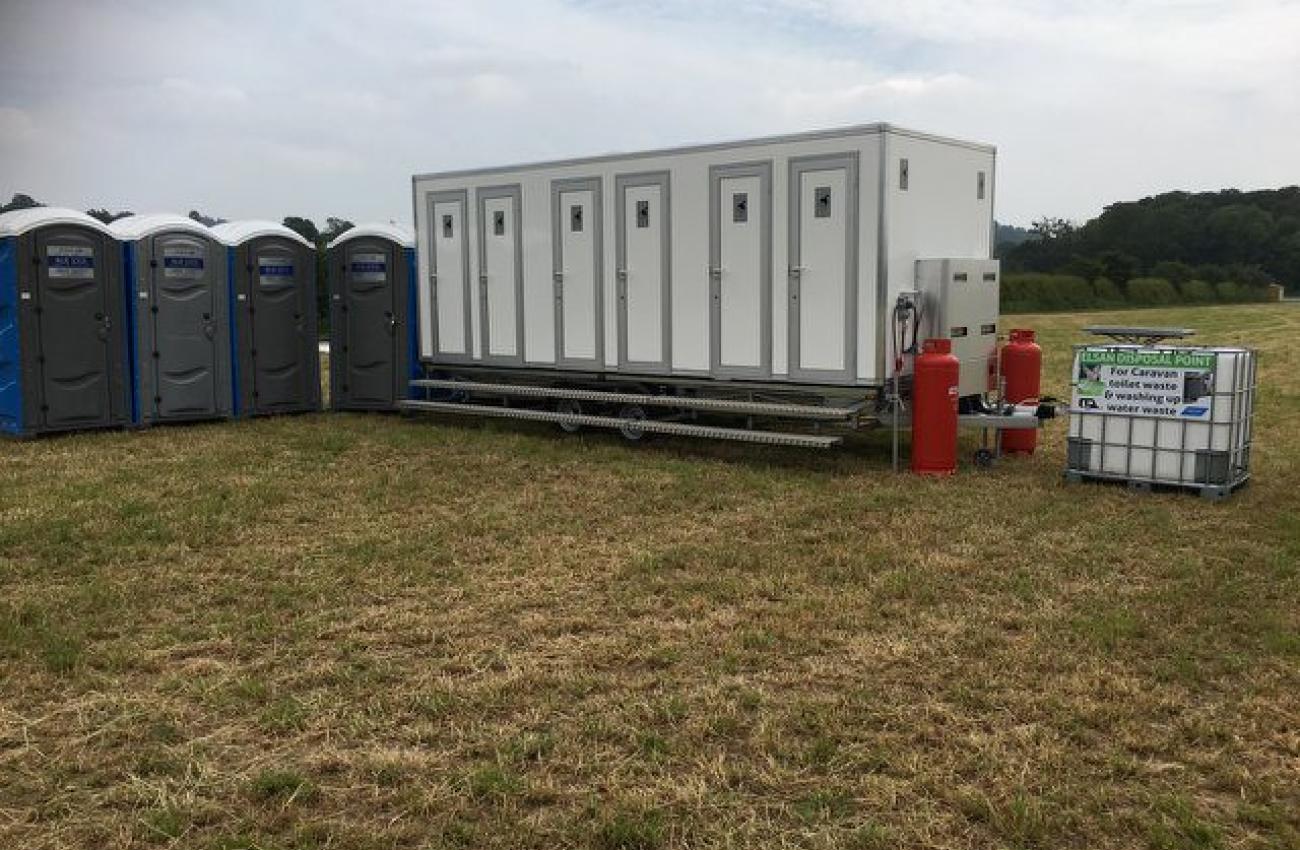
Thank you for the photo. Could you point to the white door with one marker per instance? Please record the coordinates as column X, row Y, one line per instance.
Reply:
column 576, row 221
column 450, row 276
column 823, row 240
column 740, row 270
column 643, row 271
column 501, row 274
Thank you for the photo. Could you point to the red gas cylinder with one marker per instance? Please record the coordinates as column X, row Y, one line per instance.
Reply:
column 1022, row 367
column 934, row 409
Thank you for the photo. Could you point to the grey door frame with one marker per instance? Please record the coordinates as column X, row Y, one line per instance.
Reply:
column 249, row 287
column 482, row 196
column 762, row 169
column 848, row 161
column 152, row 270
column 594, row 185
column 392, row 259
column 108, row 280
column 435, row 198
column 623, row 182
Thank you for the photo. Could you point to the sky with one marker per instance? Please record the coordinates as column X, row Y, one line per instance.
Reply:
column 326, row 108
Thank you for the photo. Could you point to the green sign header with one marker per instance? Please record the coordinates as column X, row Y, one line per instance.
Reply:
column 1153, row 359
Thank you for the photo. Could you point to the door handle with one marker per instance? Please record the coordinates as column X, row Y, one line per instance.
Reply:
column 622, row 274
column 392, row 323
column 715, row 271
column 797, row 271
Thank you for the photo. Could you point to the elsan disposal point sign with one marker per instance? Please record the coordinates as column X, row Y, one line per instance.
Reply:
column 1173, row 384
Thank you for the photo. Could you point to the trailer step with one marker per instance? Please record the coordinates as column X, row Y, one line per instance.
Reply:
column 652, row 426
column 821, row 413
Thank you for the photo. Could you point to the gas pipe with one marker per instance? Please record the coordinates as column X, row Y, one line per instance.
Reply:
column 934, row 409
column 1022, row 367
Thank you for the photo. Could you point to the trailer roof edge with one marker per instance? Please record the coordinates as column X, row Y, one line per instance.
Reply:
column 810, row 135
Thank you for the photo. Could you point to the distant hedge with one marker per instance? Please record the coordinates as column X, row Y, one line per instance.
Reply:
column 1042, row 293
column 1151, row 292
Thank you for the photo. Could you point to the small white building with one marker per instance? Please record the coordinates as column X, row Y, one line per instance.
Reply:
column 776, row 260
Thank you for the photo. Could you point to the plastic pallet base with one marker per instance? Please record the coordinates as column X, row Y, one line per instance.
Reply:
column 1212, row 492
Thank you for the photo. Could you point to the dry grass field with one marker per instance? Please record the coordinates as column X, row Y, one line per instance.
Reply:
column 371, row 632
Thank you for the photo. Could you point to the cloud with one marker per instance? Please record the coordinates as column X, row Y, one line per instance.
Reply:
column 16, row 126
column 324, row 108
column 208, row 96
column 829, row 99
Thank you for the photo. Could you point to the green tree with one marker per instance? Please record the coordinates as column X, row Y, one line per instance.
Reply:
column 20, row 202
column 304, row 227
column 1118, row 266
column 335, row 227
column 206, row 220
column 1173, row 270
column 108, row 217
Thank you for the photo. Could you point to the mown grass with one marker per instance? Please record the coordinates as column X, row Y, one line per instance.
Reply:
column 368, row 631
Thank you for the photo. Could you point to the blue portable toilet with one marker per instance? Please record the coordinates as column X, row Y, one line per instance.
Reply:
column 275, row 352
column 374, row 335
column 179, row 291
column 64, row 363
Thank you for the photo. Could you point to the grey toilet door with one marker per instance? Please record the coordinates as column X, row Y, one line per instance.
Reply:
column 184, row 314
column 370, row 319
column 279, row 319
column 77, row 315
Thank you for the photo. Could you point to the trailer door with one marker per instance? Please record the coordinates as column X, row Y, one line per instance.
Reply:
column 501, row 282
column 823, row 268
column 644, row 261
column 740, row 270
column 449, row 276
column 576, row 228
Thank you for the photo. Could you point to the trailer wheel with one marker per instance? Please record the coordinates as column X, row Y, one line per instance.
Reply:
column 571, row 406
column 633, row 412
column 983, row 458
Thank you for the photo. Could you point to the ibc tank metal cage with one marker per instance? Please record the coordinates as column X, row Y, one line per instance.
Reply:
column 1207, row 452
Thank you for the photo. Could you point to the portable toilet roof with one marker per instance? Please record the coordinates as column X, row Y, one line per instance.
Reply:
column 238, row 232
column 396, row 233
column 135, row 227
column 18, row 222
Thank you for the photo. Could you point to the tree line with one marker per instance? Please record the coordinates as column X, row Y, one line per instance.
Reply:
column 1169, row 248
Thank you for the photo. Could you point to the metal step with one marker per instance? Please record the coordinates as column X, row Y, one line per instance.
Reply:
column 821, row 413
column 651, row 426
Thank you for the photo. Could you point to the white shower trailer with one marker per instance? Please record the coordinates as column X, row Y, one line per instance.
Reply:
column 772, row 263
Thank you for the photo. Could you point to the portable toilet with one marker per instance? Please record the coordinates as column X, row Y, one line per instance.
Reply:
column 374, row 335
column 63, row 330
column 275, row 355
column 179, row 294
